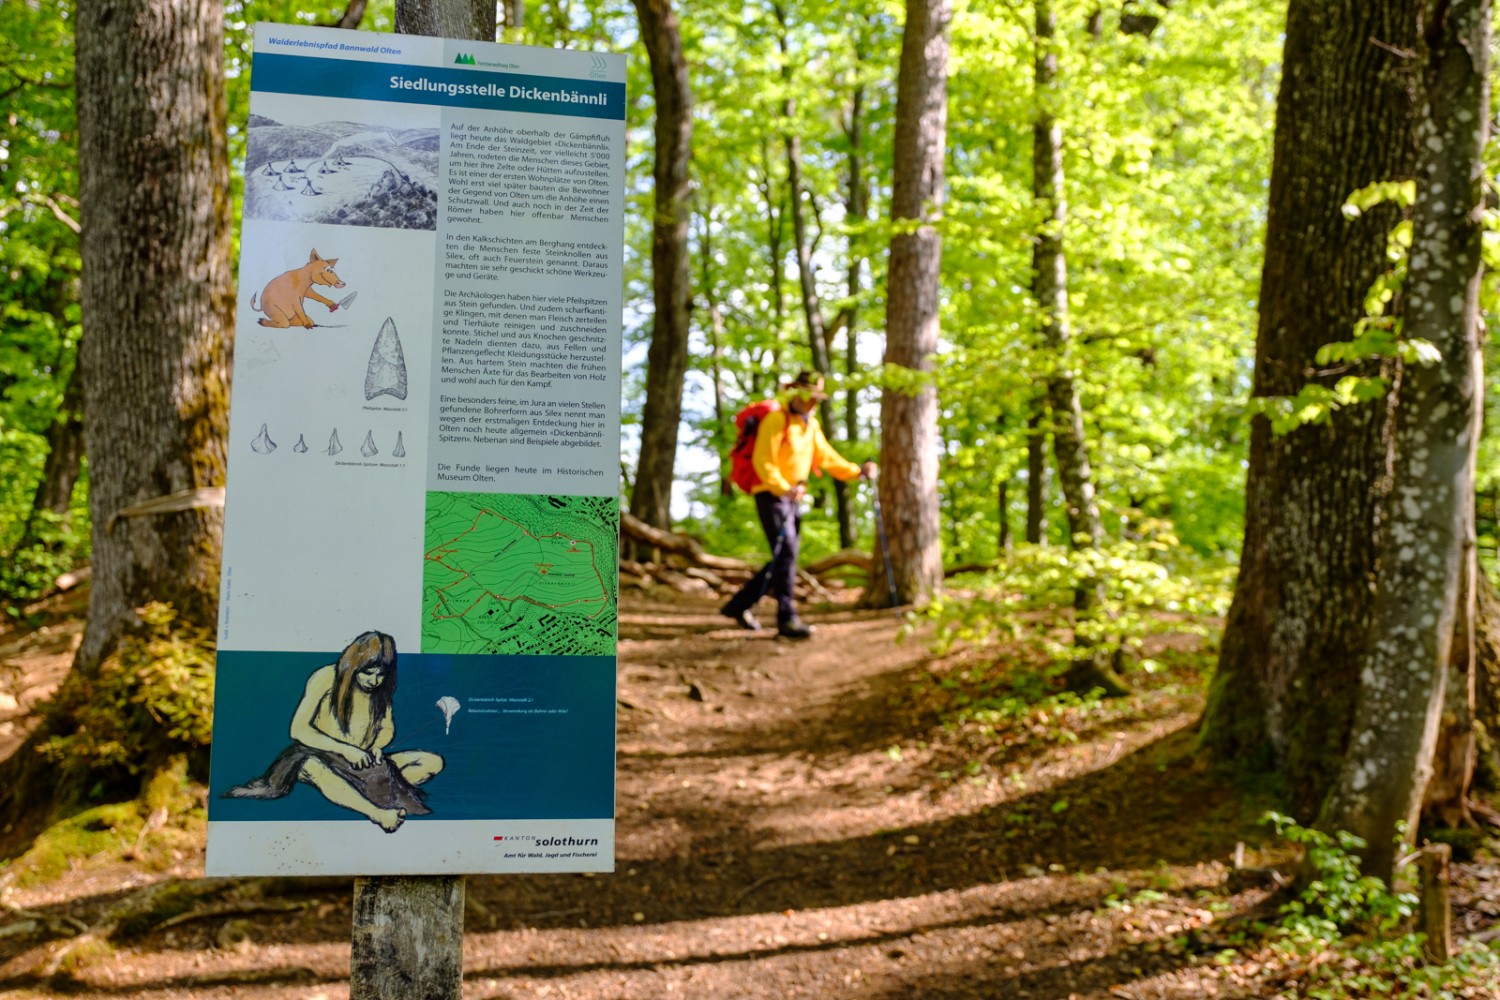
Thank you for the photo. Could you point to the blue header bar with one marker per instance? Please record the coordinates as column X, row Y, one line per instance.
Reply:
column 274, row 73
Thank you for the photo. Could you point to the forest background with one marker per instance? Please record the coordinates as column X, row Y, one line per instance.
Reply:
column 1104, row 188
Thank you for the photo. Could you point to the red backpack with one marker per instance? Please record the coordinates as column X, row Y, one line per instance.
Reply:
column 741, row 457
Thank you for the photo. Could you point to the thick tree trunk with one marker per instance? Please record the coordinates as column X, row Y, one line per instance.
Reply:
column 1089, row 668
column 666, row 360
column 1424, row 544
column 157, row 301
column 1283, row 695
column 908, row 420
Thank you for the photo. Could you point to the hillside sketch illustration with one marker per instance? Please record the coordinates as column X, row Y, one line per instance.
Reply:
column 342, row 173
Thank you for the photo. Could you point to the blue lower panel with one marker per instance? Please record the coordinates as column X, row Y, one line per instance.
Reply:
column 534, row 737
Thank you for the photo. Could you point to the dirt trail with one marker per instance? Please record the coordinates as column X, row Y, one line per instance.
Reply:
column 794, row 821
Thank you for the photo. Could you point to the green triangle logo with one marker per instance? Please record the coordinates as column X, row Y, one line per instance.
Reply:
column 464, row 59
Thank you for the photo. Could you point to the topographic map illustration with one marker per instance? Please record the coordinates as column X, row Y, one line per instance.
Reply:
column 520, row 574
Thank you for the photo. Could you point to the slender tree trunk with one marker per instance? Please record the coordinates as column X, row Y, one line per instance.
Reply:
column 855, row 211
column 1446, row 798
column 514, row 12
column 1289, row 666
column 157, row 300
column 723, row 437
column 1002, row 509
column 64, row 464
column 666, row 360
column 1050, row 285
column 908, row 420
column 1036, row 473
column 1424, row 545
column 812, row 306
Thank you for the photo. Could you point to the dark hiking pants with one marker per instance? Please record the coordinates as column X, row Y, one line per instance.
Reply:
column 781, row 519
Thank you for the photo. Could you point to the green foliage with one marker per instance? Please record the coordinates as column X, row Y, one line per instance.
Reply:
column 55, row 546
column 39, row 264
column 1150, row 585
column 1349, row 934
column 152, row 699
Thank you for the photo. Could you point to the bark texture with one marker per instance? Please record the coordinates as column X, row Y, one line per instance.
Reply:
column 666, row 360
column 908, row 420
column 157, row 301
column 407, row 939
column 443, row 18
column 1283, row 695
column 1424, row 543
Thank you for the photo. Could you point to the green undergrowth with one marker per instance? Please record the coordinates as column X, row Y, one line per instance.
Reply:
column 1148, row 586
column 148, row 703
column 155, row 830
column 1346, row 935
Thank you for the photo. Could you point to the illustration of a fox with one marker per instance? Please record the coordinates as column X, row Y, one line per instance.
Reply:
column 282, row 298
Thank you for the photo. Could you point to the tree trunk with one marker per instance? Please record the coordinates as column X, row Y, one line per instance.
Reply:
column 723, row 433
column 1283, row 695
column 908, row 420
column 64, row 464
column 1036, row 473
column 855, row 210
column 1424, row 544
column 1446, row 799
column 666, row 360
column 442, row 18
column 157, row 299
column 1089, row 668
column 812, row 306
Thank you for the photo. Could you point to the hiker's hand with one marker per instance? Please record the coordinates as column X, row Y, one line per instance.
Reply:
column 870, row 471
column 798, row 492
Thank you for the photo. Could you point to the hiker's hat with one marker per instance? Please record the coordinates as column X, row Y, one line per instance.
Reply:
column 809, row 383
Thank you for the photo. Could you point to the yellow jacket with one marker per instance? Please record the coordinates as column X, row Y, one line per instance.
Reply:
column 788, row 448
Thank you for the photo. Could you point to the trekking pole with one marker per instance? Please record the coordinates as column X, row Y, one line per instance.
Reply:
column 885, row 553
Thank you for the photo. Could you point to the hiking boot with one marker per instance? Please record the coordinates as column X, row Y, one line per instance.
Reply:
column 793, row 628
column 744, row 619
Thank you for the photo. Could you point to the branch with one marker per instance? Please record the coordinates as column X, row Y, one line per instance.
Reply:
column 62, row 216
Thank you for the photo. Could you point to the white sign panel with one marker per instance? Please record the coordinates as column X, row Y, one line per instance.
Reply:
column 417, row 634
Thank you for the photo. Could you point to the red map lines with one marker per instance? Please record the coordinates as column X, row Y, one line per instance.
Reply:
column 442, row 553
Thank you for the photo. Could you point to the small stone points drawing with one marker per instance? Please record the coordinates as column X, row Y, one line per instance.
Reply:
column 333, row 443
column 400, row 449
column 368, row 449
column 263, row 445
column 301, row 446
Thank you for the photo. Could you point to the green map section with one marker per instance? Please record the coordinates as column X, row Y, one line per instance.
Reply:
column 520, row 574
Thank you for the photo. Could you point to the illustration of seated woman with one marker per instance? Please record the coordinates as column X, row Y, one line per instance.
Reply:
column 340, row 732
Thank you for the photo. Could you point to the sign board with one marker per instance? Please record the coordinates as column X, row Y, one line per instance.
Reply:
column 416, row 670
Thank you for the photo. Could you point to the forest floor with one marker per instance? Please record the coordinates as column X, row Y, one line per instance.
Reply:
column 795, row 820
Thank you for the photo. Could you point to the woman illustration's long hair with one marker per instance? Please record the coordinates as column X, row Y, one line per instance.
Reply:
column 367, row 649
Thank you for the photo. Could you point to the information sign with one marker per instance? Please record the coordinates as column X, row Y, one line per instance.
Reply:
column 416, row 670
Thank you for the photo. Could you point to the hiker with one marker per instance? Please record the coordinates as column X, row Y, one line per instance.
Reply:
column 789, row 444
